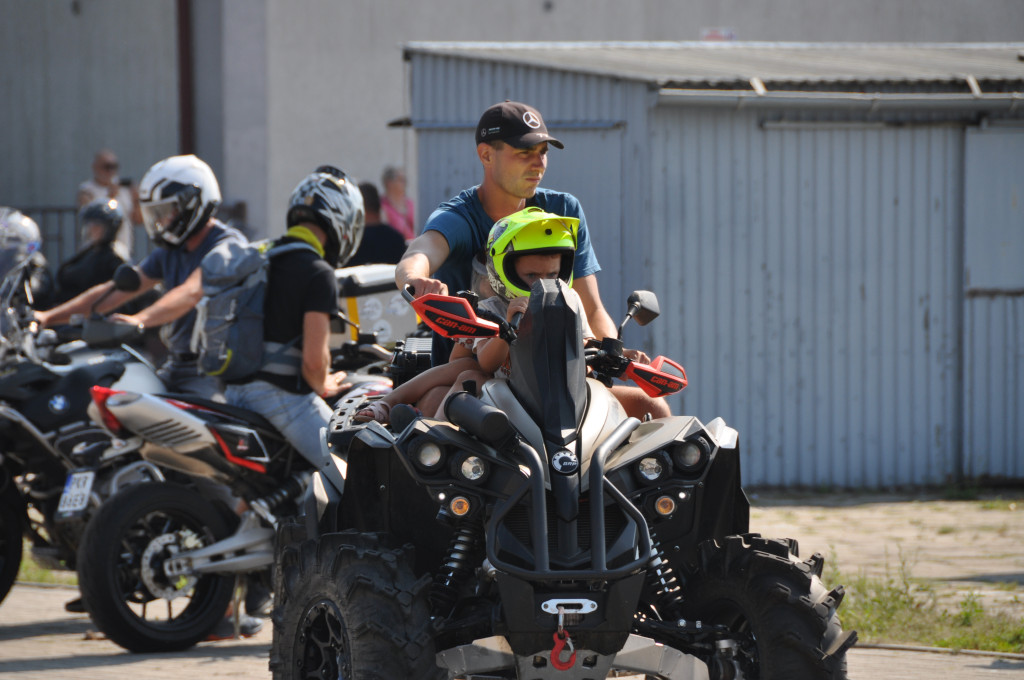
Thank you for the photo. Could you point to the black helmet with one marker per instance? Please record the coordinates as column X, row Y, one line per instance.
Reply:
column 329, row 199
column 105, row 213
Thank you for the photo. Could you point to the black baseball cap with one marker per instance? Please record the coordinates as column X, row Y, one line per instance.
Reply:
column 515, row 123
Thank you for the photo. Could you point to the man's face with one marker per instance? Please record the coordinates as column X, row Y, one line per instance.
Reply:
column 104, row 168
column 518, row 172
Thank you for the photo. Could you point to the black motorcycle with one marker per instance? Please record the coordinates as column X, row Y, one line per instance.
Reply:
column 56, row 464
column 542, row 533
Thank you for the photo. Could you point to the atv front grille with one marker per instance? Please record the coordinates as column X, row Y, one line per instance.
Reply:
column 568, row 542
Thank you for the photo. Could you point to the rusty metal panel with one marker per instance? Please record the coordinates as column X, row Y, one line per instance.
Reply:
column 818, row 274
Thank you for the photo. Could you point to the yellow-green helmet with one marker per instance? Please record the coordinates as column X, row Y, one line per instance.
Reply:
column 527, row 232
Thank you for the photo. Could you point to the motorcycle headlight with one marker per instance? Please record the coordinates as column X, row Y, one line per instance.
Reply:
column 473, row 468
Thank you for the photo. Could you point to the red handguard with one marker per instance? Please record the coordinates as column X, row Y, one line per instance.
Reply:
column 655, row 382
column 452, row 317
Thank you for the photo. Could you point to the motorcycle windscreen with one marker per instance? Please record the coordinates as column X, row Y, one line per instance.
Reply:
column 549, row 369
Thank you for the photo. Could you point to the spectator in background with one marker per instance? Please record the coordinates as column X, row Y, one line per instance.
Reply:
column 99, row 254
column 396, row 207
column 106, row 184
column 381, row 243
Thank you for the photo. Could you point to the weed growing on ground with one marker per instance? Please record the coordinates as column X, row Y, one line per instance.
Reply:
column 897, row 609
column 30, row 572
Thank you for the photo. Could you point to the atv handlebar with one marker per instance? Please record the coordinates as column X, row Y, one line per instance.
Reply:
column 481, row 420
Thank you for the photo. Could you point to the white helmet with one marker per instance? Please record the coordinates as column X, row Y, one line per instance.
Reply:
column 331, row 200
column 19, row 238
column 177, row 196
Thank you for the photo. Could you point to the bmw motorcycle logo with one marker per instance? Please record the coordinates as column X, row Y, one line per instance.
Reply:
column 565, row 462
column 58, row 403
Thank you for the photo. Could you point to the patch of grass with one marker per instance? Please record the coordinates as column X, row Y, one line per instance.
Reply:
column 946, row 530
column 1001, row 504
column 897, row 609
column 32, row 573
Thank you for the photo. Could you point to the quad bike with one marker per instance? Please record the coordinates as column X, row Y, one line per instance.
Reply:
column 161, row 562
column 541, row 533
column 56, row 465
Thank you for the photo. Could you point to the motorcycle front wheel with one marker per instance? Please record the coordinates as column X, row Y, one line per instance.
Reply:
column 121, row 572
column 12, row 522
column 783, row 617
column 348, row 607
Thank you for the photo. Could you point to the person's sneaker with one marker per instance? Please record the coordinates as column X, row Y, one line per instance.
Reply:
column 258, row 601
column 75, row 606
column 225, row 628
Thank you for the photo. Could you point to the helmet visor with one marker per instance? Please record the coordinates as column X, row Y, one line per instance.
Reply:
column 158, row 217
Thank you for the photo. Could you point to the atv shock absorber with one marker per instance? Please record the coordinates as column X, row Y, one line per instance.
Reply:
column 664, row 583
column 457, row 567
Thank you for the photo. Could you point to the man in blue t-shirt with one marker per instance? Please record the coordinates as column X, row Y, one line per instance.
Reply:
column 512, row 144
column 178, row 196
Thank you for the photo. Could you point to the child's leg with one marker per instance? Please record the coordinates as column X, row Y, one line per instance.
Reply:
column 475, row 375
column 409, row 392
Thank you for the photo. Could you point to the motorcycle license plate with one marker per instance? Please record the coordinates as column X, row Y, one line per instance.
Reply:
column 75, row 498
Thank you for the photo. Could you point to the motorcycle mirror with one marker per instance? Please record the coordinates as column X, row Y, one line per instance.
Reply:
column 126, row 279
column 643, row 307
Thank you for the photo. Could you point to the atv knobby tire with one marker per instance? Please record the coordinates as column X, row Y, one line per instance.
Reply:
column 347, row 606
column 110, row 568
column 761, row 590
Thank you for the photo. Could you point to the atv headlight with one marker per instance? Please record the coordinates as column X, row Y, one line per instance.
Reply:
column 473, row 468
column 691, row 455
column 652, row 469
column 428, row 455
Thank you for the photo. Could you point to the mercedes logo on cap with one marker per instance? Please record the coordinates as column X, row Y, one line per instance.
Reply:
column 531, row 120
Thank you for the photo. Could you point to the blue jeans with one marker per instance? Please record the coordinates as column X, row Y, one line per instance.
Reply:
column 299, row 417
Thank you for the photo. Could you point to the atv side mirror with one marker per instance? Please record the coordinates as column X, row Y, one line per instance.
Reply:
column 126, row 279
column 643, row 307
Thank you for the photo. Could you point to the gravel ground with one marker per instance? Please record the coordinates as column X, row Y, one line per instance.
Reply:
column 960, row 546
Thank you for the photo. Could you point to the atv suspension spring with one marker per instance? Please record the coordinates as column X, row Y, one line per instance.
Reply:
column 664, row 582
column 456, row 568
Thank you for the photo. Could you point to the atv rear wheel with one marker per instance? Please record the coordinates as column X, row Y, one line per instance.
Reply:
column 783, row 616
column 121, row 568
column 349, row 607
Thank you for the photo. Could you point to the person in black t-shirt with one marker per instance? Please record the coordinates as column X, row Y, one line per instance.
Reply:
column 382, row 244
column 326, row 212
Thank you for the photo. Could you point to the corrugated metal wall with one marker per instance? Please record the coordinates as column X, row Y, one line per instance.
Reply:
column 994, row 304
column 818, row 272
column 77, row 77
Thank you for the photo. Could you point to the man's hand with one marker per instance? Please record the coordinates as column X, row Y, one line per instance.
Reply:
column 131, row 319
column 424, row 286
column 42, row 318
column 335, row 384
column 636, row 355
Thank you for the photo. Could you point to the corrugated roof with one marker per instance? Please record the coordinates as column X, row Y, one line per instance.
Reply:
column 779, row 66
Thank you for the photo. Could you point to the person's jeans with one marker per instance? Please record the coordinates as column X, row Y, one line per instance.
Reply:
column 299, row 417
column 184, row 377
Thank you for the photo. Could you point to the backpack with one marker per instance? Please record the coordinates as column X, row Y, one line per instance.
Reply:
column 228, row 332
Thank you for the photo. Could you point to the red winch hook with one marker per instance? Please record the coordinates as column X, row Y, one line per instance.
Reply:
column 561, row 640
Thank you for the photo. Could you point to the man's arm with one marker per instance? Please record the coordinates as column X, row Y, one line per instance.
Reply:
column 82, row 304
column 423, row 257
column 316, row 355
column 600, row 322
column 174, row 304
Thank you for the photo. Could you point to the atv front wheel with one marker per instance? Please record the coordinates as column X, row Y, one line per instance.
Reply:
column 783, row 617
column 348, row 607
